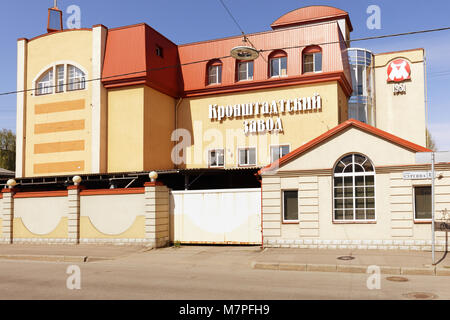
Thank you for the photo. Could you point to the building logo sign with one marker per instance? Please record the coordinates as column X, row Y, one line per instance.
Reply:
column 273, row 110
column 399, row 70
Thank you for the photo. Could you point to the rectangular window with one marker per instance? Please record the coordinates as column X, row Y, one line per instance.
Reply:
column 60, row 77
column 245, row 70
column 216, row 158
column 312, row 62
column 278, row 67
column 159, row 51
column 422, row 203
column 277, row 152
column 215, row 75
column 247, row 157
column 290, row 205
column 76, row 79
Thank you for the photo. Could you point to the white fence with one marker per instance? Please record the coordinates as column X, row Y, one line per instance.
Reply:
column 216, row 216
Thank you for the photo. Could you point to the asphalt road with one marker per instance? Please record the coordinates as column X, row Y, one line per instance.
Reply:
column 198, row 274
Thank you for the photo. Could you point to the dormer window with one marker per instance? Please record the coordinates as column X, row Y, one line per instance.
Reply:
column 245, row 70
column 312, row 59
column 278, row 64
column 214, row 69
column 60, row 78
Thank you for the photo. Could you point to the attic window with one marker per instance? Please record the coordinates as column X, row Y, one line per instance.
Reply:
column 159, row 51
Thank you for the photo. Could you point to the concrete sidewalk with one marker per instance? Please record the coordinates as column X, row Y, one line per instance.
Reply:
column 67, row 253
column 353, row 261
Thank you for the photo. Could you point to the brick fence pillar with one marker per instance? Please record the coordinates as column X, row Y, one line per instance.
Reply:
column 7, row 215
column 73, row 220
column 156, row 214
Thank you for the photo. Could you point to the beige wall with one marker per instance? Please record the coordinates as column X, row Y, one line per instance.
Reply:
column 112, row 216
column 140, row 123
column 403, row 115
column 298, row 127
column 311, row 175
column 61, row 124
column 40, row 218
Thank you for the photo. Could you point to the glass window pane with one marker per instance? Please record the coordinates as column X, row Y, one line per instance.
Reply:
column 370, row 191
column 348, row 192
column 338, row 214
column 347, row 160
column 370, row 180
column 274, row 66
column 338, row 181
column 359, row 203
column 359, row 192
column 252, row 156
column 283, row 66
column 339, row 204
column 348, row 203
column 348, row 214
column 339, row 167
column 359, row 159
column 250, row 70
column 243, row 156
column 318, row 62
column 360, row 215
column 422, row 197
column 370, row 214
column 219, row 76
column 368, row 166
column 370, row 203
column 338, row 192
column 284, row 150
column 290, row 207
column 348, row 181
column 359, row 181
column 274, row 153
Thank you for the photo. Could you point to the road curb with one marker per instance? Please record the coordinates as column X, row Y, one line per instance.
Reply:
column 350, row 268
column 53, row 258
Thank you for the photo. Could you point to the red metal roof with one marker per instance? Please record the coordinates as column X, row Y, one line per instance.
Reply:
column 343, row 126
column 131, row 53
column 311, row 14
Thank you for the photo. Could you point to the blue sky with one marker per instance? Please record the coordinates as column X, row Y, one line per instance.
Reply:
column 185, row 21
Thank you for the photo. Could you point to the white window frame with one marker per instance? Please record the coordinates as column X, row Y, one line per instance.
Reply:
column 278, row 146
column 79, row 80
column 314, row 62
column 209, row 158
column 247, row 63
column 218, row 79
column 279, row 67
column 283, row 208
column 53, row 66
column 353, row 175
column 48, row 86
column 248, row 149
column 414, row 203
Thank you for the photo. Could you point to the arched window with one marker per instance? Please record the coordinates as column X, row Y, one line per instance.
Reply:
column 354, row 189
column 76, row 79
column 62, row 77
column 45, row 83
column 278, row 64
column 312, row 59
column 214, row 69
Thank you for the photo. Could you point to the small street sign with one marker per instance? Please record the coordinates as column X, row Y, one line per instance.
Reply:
column 417, row 175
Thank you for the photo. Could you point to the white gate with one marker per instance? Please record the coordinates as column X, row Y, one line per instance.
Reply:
column 228, row 216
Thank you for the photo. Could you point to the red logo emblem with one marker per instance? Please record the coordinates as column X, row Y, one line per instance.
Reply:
column 399, row 70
